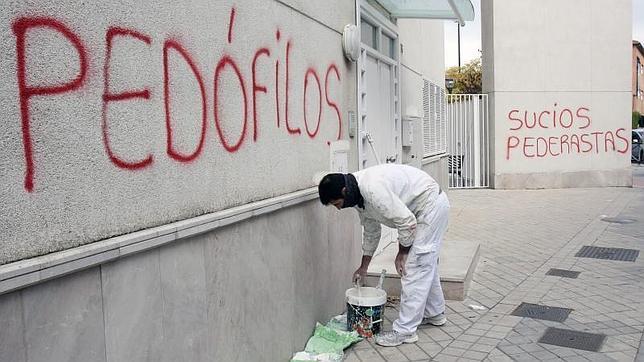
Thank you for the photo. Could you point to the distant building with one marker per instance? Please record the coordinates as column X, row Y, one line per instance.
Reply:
column 638, row 79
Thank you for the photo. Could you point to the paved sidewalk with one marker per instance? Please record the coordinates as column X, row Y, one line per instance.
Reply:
column 523, row 234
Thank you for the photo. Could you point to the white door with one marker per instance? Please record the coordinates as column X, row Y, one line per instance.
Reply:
column 379, row 140
column 379, row 100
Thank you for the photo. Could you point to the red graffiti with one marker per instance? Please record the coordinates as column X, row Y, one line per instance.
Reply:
column 258, row 66
column 172, row 152
column 110, row 97
column 227, row 60
column 230, row 25
column 566, row 144
column 288, row 127
column 20, row 29
column 540, row 119
column 329, row 101
column 257, row 87
column 312, row 71
column 277, row 92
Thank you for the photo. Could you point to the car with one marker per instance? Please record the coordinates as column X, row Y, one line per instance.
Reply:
column 637, row 150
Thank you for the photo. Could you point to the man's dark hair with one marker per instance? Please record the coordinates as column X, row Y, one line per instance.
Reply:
column 330, row 188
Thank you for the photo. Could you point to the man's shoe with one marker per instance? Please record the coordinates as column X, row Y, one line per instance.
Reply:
column 437, row 320
column 393, row 338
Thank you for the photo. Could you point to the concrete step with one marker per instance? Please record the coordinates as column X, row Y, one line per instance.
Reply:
column 458, row 260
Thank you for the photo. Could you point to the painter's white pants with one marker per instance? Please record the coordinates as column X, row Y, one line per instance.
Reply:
column 422, row 295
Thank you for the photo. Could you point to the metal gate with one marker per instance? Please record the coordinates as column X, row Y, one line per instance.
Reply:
column 468, row 141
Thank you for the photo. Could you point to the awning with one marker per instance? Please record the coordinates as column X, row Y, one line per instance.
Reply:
column 459, row 10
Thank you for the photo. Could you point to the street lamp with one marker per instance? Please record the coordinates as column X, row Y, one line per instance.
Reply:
column 449, row 84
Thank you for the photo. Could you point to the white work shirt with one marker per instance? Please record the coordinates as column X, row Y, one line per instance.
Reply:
column 395, row 196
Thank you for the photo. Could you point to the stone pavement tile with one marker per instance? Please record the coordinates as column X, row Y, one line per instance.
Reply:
column 613, row 345
column 497, row 335
column 393, row 354
column 477, row 356
column 453, row 351
column 469, row 338
column 576, row 359
column 531, row 347
column 431, row 349
column 523, row 357
column 562, row 352
column 369, row 355
column 461, row 344
column 445, row 358
column 475, row 332
column 511, row 350
column 413, row 352
column 543, row 355
column 516, row 338
column 351, row 356
column 486, row 348
column 436, row 334
column 464, row 359
column 498, row 356
column 489, row 341
column 364, row 344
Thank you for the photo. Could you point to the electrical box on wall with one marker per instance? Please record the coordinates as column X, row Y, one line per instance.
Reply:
column 339, row 160
column 408, row 131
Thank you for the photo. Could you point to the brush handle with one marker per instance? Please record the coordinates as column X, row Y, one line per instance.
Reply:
column 382, row 278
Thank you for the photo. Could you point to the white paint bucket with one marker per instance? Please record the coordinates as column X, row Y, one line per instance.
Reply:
column 365, row 309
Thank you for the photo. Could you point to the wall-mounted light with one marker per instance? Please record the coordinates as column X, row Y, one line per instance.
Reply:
column 351, row 42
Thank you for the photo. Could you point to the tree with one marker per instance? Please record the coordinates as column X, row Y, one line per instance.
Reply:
column 468, row 80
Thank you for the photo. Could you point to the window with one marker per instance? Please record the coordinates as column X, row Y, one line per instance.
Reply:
column 377, row 36
column 368, row 34
column 387, row 46
column 637, row 78
column 434, row 119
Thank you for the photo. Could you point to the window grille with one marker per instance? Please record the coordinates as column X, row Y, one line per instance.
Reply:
column 434, row 119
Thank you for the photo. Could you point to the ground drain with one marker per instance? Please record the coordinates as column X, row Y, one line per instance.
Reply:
column 563, row 273
column 597, row 252
column 618, row 220
column 573, row 339
column 545, row 312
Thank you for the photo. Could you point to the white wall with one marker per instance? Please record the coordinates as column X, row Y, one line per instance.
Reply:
column 423, row 43
column 563, row 61
column 76, row 168
column 422, row 57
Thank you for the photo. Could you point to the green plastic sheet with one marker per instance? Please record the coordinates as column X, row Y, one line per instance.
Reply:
column 329, row 340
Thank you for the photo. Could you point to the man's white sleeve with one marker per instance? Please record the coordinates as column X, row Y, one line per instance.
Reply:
column 394, row 210
column 370, row 236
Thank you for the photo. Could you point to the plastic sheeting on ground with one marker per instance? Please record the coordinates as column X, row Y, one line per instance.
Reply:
column 328, row 342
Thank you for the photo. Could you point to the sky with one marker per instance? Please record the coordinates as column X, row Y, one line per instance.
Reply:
column 471, row 34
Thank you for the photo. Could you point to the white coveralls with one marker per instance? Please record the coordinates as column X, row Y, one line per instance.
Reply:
column 409, row 200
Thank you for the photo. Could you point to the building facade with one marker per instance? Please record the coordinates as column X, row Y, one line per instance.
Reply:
column 638, row 79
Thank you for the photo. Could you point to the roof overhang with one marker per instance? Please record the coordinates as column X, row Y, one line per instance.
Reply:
column 458, row 10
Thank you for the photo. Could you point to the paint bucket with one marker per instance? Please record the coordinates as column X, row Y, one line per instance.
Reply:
column 365, row 307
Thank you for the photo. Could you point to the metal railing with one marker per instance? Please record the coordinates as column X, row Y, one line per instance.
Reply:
column 468, row 140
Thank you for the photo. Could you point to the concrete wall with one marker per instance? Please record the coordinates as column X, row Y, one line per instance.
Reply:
column 558, row 75
column 136, row 119
column 123, row 116
column 247, row 292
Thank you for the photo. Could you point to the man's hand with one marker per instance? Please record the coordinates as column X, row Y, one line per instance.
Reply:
column 401, row 260
column 360, row 273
